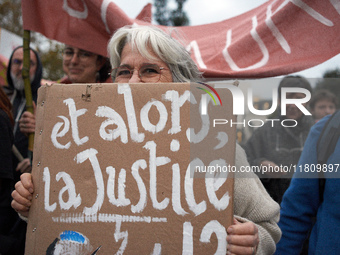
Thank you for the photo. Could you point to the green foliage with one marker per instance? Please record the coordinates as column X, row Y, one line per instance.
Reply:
column 331, row 82
column 52, row 62
column 49, row 51
column 10, row 16
column 166, row 17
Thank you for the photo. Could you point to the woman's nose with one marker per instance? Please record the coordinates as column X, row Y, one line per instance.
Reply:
column 75, row 57
column 135, row 77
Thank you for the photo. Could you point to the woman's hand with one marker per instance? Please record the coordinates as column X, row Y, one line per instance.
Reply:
column 23, row 194
column 242, row 238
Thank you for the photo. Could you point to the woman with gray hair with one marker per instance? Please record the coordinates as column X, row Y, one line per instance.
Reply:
column 153, row 44
column 147, row 54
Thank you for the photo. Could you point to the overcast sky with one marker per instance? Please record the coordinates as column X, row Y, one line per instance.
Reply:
column 204, row 12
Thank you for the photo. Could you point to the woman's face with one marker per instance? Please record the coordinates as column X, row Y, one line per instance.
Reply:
column 133, row 60
column 322, row 108
column 80, row 66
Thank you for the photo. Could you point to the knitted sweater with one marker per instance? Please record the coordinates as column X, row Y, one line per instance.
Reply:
column 253, row 203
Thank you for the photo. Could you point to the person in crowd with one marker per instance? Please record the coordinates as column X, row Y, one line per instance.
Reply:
column 309, row 209
column 147, row 54
column 80, row 66
column 16, row 92
column 275, row 145
column 323, row 103
column 8, row 217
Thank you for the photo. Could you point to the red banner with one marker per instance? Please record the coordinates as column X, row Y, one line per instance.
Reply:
column 277, row 38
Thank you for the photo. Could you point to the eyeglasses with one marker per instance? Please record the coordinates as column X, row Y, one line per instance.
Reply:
column 148, row 73
column 19, row 62
column 81, row 54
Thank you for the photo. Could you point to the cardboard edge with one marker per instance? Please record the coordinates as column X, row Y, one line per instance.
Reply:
column 33, row 222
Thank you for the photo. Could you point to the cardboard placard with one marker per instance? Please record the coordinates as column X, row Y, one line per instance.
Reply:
column 112, row 172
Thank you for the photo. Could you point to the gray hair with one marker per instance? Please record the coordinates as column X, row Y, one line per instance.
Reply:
column 169, row 50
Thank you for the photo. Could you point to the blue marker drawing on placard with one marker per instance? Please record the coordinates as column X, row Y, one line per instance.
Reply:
column 71, row 242
column 72, row 236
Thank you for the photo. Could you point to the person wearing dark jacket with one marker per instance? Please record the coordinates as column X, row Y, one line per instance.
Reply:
column 7, row 215
column 275, row 145
column 15, row 241
column 16, row 92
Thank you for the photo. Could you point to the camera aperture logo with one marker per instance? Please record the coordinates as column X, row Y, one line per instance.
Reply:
column 204, row 99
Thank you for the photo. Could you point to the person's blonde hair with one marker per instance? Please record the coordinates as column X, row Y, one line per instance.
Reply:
column 169, row 50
